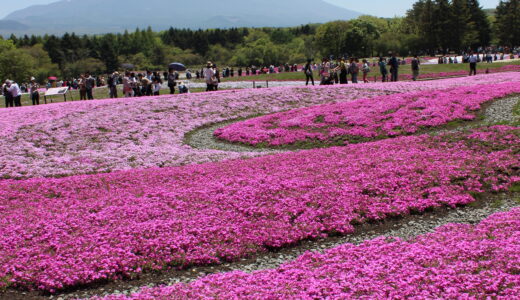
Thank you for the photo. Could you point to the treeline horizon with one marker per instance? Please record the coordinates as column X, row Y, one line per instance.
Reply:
column 430, row 27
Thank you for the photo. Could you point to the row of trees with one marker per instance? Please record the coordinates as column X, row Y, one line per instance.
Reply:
column 429, row 26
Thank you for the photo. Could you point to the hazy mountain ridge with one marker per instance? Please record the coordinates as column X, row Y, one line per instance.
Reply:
column 101, row 16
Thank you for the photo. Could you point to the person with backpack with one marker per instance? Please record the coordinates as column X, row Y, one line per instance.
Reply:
column 366, row 70
column 172, row 81
column 309, row 75
column 354, row 70
column 415, row 68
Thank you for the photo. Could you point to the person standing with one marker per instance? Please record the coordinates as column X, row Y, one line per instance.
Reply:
column 308, row 72
column 127, row 85
column 354, row 70
column 7, row 95
column 325, row 73
column 382, row 69
column 209, row 76
column 473, row 64
column 157, row 85
column 146, row 85
column 82, row 85
column 415, row 68
column 90, row 83
column 366, row 70
column 16, row 92
column 112, row 84
column 172, row 81
column 217, row 77
column 394, row 68
column 343, row 72
column 33, row 90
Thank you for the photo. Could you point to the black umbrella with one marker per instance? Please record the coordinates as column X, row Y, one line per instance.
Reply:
column 177, row 67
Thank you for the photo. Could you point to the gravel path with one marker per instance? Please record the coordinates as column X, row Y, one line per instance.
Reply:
column 202, row 138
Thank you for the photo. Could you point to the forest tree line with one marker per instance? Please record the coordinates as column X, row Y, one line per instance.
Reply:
column 429, row 27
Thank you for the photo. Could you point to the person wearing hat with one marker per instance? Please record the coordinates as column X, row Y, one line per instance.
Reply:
column 33, row 90
column 209, row 75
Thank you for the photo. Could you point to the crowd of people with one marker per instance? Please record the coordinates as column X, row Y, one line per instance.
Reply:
column 339, row 71
column 149, row 83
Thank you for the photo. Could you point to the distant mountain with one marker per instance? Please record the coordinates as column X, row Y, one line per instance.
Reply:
column 10, row 25
column 102, row 16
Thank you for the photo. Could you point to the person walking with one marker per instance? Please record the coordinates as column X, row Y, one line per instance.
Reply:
column 394, row 68
column 415, row 67
column 366, row 70
column 172, row 81
column 33, row 91
column 309, row 75
column 473, row 59
column 354, row 70
column 14, row 89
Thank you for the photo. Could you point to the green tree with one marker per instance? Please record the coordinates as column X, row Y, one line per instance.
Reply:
column 507, row 26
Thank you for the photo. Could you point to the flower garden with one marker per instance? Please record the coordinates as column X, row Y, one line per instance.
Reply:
column 107, row 191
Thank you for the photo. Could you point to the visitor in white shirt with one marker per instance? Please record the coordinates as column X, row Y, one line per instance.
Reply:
column 16, row 92
column 473, row 64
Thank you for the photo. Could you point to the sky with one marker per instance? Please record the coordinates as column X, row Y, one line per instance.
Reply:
column 381, row 8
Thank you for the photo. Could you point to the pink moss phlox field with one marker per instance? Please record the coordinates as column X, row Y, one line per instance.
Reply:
column 384, row 116
column 455, row 262
column 108, row 135
column 491, row 70
column 66, row 232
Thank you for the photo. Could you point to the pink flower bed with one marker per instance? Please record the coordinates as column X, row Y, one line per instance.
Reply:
column 456, row 262
column 385, row 116
column 508, row 68
column 109, row 135
column 58, row 233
